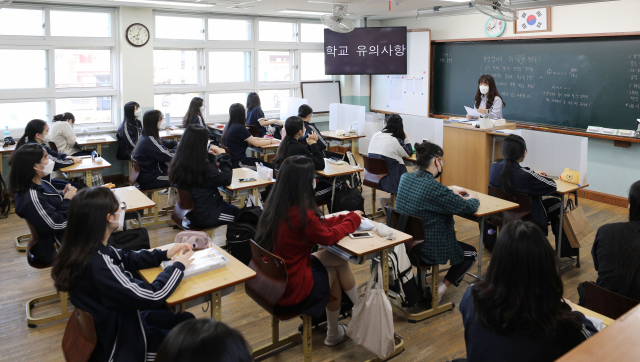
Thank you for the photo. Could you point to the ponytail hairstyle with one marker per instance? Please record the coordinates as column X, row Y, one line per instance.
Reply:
column 513, row 149
column 193, row 111
column 426, row 152
column 253, row 101
column 237, row 115
column 493, row 92
column 34, row 127
column 292, row 126
column 634, row 202
column 129, row 113
column 304, row 111
column 64, row 117
column 393, row 125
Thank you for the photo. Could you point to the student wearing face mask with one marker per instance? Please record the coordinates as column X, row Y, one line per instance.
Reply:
column 129, row 315
column 419, row 194
column 63, row 137
column 153, row 153
column 255, row 115
column 488, row 101
column 195, row 115
column 38, row 201
column 129, row 131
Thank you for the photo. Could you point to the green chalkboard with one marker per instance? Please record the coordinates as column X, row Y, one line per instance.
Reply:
column 575, row 82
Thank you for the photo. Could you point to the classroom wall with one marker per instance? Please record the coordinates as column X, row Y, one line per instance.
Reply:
column 611, row 169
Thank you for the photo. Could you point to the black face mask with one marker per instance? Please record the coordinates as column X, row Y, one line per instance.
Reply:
column 439, row 172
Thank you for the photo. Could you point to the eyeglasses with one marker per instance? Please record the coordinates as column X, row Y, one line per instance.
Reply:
column 441, row 161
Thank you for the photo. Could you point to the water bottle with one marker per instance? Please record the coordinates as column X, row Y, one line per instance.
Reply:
column 6, row 132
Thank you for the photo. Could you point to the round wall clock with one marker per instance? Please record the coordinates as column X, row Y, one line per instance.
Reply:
column 137, row 35
column 494, row 27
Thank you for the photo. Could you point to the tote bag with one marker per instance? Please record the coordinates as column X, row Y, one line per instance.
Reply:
column 372, row 322
column 576, row 226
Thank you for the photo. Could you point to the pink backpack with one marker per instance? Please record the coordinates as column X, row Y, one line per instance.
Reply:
column 198, row 239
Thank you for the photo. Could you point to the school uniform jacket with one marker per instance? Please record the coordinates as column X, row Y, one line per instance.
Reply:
column 153, row 157
column 64, row 138
column 60, row 160
column 128, row 136
column 312, row 151
column 252, row 120
column 200, row 122
column 528, row 182
column 311, row 127
column 44, row 208
column 114, row 298
column 206, row 198
column 390, row 149
column 421, row 195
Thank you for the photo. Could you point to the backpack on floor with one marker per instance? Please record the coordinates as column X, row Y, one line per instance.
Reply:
column 357, row 182
column 348, row 199
column 241, row 231
column 130, row 240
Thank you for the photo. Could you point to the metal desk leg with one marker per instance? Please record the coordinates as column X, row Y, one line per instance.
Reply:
column 99, row 148
column 353, row 146
column 480, row 247
column 216, row 306
column 560, row 227
column 493, row 154
column 87, row 176
column 256, row 194
column 265, row 155
column 333, row 194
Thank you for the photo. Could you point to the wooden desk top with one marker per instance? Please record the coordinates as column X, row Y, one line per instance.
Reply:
column 333, row 135
column 134, row 199
column 171, row 133
column 190, row 288
column 488, row 204
column 331, row 170
column 618, row 342
column 566, row 187
column 362, row 247
column 509, row 125
column 90, row 140
column 413, row 158
column 7, row 149
column 606, row 320
column 87, row 164
column 239, row 173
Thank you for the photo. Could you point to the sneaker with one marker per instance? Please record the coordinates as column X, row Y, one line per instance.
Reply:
column 384, row 202
column 340, row 337
column 164, row 192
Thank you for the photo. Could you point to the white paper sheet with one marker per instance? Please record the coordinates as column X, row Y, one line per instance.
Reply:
column 394, row 92
column 417, row 86
column 473, row 112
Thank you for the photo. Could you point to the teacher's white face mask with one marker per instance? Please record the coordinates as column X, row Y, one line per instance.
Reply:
column 484, row 89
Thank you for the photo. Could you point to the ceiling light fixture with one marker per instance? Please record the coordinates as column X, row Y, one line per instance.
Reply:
column 175, row 3
column 303, row 12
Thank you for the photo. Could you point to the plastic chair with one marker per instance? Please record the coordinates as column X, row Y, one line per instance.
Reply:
column 183, row 207
column 63, row 297
column 607, row 303
column 415, row 228
column 375, row 170
column 152, row 194
column 79, row 338
column 266, row 289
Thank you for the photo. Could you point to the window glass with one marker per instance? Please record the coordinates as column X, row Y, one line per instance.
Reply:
column 80, row 23
column 312, row 66
column 82, row 68
column 175, row 67
column 312, row 33
column 219, row 103
column 23, row 68
column 174, row 27
column 228, row 67
column 229, row 29
column 270, row 99
column 175, row 104
column 274, row 31
column 86, row 110
column 17, row 115
column 274, row 66
column 21, row 22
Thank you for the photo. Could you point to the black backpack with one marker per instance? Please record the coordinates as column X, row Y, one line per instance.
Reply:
column 348, row 200
column 130, row 240
column 5, row 203
column 241, row 231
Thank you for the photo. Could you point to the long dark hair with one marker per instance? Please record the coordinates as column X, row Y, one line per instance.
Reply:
column 237, row 115
column 86, row 228
column 293, row 188
column 204, row 340
column 193, row 111
column 189, row 166
column 64, row 116
column 129, row 113
column 493, row 92
column 34, row 127
column 292, row 126
column 634, row 201
column 393, row 125
column 304, row 110
column 22, row 171
column 150, row 123
column 253, row 101
column 522, row 290
column 513, row 148
column 426, row 152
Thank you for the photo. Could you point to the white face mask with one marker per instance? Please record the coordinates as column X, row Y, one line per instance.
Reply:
column 137, row 113
column 202, row 109
column 162, row 125
column 47, row 169
column 484, row 89
column 314, row 184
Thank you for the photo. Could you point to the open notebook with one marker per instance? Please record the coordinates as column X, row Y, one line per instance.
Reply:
column 203, row 261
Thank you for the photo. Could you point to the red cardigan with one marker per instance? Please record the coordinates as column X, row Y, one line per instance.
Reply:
column 296, row 252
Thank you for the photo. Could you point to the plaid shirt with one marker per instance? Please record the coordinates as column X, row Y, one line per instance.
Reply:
column 421, row 195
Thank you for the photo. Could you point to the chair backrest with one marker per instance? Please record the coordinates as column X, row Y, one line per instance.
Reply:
column 414, row 227
column 52, row 145
column 271, row 278
column 607, row 303
column 135, row 172
column 32, row 259
column 374, row 170
column 79, row 338
column 521, row 199
column 182, row 208
column 254, row 131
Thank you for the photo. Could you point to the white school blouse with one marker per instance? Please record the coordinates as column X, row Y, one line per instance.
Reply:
column 496, row 110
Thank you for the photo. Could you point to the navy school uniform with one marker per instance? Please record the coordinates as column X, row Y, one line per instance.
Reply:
column 390, row 149
column 44, row 207
column 128, row 136
column 153, row 157
column 60, row 160
column 200, row 122
column 128, row 313
column 252, row 120
column 236, row 141
column 323, row 185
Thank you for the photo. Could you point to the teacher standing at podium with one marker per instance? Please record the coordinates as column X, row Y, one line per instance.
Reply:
column 488, row 101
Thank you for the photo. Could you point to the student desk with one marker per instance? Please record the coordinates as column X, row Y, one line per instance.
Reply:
column 564, row 188
column 172, row 135
column 214, row 283
column 5, row 151
column 331, row 170
column 95, row 140
column 606, row 320
column 243, row 189
column 331, row 135
column 617, row 342
column 216, row 128
column 489, row 205
column 134, row 198
column 264, row 150
column 468, row 155
column 357, row 251
column 87, row 166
